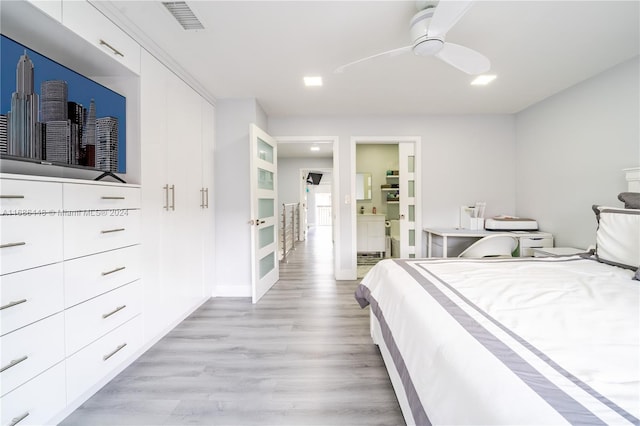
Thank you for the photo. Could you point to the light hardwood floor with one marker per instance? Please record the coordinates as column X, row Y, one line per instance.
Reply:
column 301, row 356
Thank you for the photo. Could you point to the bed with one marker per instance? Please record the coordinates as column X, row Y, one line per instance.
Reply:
column 514, row 341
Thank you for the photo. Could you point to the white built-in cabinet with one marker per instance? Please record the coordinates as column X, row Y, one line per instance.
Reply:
column 71, row 291
column 151, row 276
column 177, row 177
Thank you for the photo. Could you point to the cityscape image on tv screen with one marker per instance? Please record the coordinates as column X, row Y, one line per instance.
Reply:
column 52, row 114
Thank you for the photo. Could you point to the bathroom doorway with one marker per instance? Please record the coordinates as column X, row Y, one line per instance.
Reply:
column 387, row 208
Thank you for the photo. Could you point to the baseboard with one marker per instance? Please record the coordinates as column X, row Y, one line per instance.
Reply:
column 232, row 290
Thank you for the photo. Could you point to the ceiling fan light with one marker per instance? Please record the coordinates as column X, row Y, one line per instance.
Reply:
column 428, row 47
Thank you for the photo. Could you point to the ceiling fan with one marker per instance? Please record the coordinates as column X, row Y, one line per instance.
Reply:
column 428, row 30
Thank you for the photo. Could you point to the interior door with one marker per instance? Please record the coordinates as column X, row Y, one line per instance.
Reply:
column 264, row 225
column 407, row 181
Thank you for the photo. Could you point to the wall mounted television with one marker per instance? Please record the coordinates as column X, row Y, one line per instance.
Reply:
column 52, row 115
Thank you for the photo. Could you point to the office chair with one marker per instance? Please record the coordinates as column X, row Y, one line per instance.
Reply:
column 500, row 245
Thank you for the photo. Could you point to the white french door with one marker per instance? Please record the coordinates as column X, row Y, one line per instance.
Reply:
column 407, row 180
column 264, row 212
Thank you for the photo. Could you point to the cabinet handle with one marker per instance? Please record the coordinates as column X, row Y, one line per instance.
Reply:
column 18, row 419
column 105, row 197
column 166, row 197
column 21, row 243
column 202, row 198
column 173, row 197
column 207, row 197
column 116, row 310
column 13, row 363
column 115, row 351
column 109, row 231
column 11, row 196
column 113, row 49
column 113, row 270
column 12, row 304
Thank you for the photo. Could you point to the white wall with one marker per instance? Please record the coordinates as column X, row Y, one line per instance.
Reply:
column 571, row 149
column 464, row 159
column 232, row 202
column 289, row 179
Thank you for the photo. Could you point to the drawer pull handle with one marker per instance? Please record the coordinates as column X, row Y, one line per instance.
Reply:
column 13, row 363
column 118, row 309
column 12, row 304
column 113, row 270
column 113, row 49
column 115, row 351
column 18, row 419
column 21, row 243
column 106, row 197
column 109, row 231
column 11, row 196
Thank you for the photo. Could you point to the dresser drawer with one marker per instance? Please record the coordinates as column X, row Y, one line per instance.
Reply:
column 29, row 351
column 529, row 243
column 28, row 296
column 100, row 197
column 88, row 366
column 92, row 319
column 29, row 241
column 29, row 197
column 97, row 231
column 37, row 401
column 90, row 276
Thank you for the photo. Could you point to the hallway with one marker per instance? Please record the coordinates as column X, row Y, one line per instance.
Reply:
column 301, row 356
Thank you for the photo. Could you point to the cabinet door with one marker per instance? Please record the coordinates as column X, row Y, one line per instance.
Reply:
column 154, row 113
column 208, row 120
column 86, row 21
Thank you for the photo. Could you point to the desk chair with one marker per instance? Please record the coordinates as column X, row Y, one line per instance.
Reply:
column 500, row 245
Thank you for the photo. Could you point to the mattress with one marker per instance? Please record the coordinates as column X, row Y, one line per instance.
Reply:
column 510, row 224
column 508, row 341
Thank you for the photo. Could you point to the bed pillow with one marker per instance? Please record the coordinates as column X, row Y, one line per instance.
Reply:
column 631, row 200
column 618, row 236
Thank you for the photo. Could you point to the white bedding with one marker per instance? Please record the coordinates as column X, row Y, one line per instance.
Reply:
column 510, row 341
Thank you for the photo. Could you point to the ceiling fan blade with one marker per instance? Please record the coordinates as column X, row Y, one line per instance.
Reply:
column 447, row 13
column 463, row 58
column 393, row 52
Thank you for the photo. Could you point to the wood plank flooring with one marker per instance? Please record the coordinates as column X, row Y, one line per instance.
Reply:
column 301, row 356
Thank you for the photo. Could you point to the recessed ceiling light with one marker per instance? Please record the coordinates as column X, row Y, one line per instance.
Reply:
column 483, row 80
column 315, row 148
column 314, row 81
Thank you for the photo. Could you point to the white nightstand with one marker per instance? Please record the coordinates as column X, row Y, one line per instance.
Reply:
column 556, row 251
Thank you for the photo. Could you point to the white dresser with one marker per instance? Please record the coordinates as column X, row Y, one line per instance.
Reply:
column 70, row 290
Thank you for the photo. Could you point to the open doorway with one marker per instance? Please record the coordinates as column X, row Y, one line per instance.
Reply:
column 306, row 185
column 386, row 217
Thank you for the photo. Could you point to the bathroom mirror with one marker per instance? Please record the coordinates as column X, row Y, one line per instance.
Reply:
column 363, row 186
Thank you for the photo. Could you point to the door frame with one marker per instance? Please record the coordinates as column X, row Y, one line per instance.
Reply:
column 386, row 140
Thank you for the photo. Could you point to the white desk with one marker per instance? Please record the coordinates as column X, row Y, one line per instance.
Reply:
column 453, row 232
column 527, row 240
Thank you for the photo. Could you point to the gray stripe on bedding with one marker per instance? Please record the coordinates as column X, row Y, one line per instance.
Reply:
column 364, row 298
column 595, row 394
column 564, row 404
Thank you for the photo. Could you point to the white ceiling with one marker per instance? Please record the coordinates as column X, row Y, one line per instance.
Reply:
column 262, row 50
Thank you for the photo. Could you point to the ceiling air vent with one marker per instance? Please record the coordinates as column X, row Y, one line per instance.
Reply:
column 183, row 15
